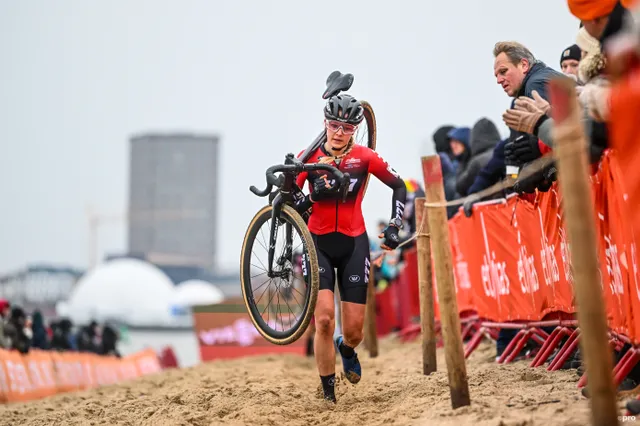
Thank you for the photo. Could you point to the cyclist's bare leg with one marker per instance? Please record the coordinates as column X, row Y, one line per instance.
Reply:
column 325, row 325
column 352, row 323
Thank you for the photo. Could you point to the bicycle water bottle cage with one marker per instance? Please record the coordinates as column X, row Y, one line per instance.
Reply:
column 336, row 83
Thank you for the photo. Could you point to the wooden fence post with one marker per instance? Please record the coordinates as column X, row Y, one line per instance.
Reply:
column 570, row 151
column 370, row 328
column 449, row 316
column 427, row 317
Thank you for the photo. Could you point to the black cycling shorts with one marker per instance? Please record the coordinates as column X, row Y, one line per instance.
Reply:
column 350, row 256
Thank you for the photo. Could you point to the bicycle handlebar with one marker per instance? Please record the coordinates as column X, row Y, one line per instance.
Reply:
column 297, row 167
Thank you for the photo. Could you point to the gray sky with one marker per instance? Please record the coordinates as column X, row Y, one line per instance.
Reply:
column 78, row 78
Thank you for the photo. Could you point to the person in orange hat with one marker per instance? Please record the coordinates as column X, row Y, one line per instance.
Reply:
column 601, row 18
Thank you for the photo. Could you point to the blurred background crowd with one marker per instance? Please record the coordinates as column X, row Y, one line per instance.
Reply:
column 21, row 331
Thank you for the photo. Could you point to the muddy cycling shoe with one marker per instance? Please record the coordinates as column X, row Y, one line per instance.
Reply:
column 352, row 369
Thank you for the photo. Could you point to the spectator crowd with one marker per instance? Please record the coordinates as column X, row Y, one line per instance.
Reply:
column 474, row 156
column 21, row 332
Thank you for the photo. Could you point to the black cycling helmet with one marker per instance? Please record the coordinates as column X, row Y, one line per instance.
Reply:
column 344, row 108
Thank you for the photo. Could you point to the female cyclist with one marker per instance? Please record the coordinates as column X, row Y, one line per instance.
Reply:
column 340, row 236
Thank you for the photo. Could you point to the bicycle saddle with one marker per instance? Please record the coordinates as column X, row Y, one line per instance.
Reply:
column 336, row 83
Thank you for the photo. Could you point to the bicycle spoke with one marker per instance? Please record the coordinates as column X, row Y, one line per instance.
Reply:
column 263, row 243
column 268, row 304
column 268, row 279
column 290, row 310
column 254, row 276
column 259, row 267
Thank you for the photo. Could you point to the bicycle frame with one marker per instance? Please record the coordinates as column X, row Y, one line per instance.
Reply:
column 286, row 184
column 284, row 196
column 336, row 82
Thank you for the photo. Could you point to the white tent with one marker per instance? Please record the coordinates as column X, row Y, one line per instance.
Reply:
column 127, row 290
column 197, row 292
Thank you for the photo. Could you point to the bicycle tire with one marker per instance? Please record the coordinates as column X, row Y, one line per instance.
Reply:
column 293, row 217
column 370, row 118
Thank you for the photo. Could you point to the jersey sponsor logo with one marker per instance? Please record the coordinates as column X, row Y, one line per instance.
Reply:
column 366, row 270
column 393, row 172
column 352, row 160
column 399, row 209
column 353, row 166
column 354, row 278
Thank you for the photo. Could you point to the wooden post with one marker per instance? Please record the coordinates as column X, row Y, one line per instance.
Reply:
column 570, row 152
column 370, row 328
column 427, row 317
column 449, row 316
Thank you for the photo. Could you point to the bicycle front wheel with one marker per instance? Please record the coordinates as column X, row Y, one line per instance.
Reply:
column 282, row 310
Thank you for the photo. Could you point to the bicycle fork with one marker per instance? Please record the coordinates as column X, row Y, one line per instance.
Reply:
column 288, row 249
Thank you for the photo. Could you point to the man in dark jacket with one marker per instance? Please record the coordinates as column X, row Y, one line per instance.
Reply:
column 519, row 73
column 483, row 139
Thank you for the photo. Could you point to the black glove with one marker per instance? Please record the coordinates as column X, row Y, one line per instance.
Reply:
column 391, row 237
column 522, row 150
column 322, row 190
column 540, row 180
column 467, row 207
column 595, row 152
column 549, row 175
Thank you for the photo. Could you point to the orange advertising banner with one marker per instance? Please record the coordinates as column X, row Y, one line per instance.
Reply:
column 512, row 260
column 226, row 331
column 39, row 374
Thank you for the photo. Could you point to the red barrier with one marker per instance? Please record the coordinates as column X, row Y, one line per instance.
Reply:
column 43, row 373
column 226, row 331
column 512, row 260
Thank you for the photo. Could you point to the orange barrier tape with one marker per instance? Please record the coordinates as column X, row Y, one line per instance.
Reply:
column 512, row 262
column 44, row 373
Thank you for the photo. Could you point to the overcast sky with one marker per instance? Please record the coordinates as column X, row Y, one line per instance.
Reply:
column 78, row 78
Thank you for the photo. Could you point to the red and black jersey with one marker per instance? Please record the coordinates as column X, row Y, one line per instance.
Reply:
column 331, row 214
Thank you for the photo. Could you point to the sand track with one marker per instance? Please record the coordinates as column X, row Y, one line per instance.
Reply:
column 279, row 390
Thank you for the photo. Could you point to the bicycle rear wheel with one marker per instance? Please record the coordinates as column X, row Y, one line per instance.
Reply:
column 367, row 134
column 295, row 280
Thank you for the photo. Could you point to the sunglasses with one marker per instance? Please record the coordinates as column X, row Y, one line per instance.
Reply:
column 334, row 126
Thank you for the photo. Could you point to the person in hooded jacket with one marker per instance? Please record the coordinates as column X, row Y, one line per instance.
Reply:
column 109, row 341
column 63, row 339
column 15, row 331
column 87, row 338
column 483, row 139
column 5, row 312
column 40, row 339
column 448, row 165
column 459, row 142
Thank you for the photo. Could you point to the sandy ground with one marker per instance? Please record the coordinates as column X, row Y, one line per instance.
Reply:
column 279, row 390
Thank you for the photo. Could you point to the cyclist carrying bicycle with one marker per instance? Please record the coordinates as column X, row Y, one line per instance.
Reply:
column 340, row 236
